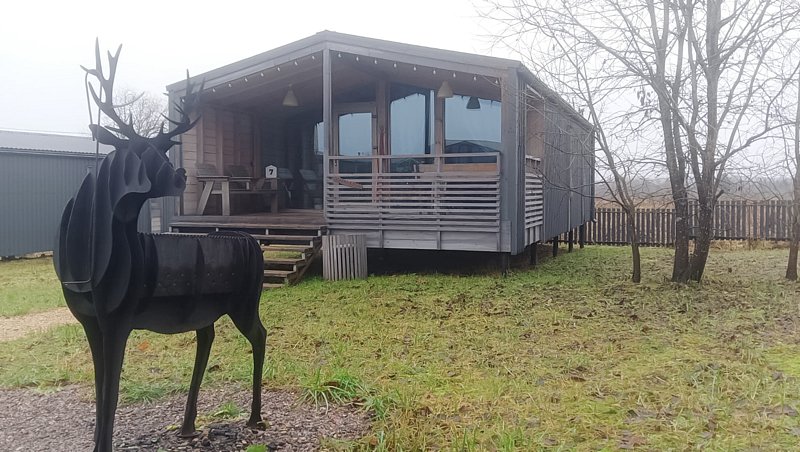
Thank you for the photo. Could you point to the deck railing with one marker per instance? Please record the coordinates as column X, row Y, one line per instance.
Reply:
column 451, row 192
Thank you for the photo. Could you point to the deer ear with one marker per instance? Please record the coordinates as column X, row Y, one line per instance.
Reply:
column 104, row 136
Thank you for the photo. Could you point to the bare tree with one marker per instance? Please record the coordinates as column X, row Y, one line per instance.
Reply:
column 700, row 65
column 144, row 110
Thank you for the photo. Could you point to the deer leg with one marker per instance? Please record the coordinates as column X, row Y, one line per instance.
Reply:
column 95, row 338
column 113, row 355
column 205, row 337
column 257, row 335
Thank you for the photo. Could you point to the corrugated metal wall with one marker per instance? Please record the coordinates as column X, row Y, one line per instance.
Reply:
column 34, row 187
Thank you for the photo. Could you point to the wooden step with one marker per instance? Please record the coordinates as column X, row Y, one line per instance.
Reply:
column 278, row 273
column 273, row 285
column 285, row 261
column 287, row 239
column 282, row 247
column 247, row 225
column 294, row 265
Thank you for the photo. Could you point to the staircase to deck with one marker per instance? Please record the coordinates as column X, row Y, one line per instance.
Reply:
column 289, row 247
column 288, row 253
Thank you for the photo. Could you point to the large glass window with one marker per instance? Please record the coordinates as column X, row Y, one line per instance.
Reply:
column 355, row 139
column 411, row 120
column 472, row 125
column 355, row 134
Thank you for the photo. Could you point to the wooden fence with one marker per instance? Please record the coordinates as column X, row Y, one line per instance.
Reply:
column 733, row 220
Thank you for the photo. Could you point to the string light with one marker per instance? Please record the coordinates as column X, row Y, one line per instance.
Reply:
column 434, row 72
column 295, row 62
column 313, row 57
column 356, row 57
column 245, row 79
column 454, row 75
column 262, row 74
column 279, row 68
column 474, row 78
column 395, row 65
column 340, row 54
column 415, row 68
column 376, row 61
column 213, row 90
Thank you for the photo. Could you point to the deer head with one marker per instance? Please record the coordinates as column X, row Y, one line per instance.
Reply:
column 165, row 180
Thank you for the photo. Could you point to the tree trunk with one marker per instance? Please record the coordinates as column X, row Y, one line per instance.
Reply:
column 633, row 233
column 680, row 263
column 637, row 263
column 791, row 267
column 702, row 243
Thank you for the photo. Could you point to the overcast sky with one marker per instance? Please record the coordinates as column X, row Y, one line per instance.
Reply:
column 42, row 43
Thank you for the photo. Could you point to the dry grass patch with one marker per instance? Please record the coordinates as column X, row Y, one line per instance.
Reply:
column 567, row 356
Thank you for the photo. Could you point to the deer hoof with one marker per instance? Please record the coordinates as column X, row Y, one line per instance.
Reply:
column 188, row 434
column 257, row 424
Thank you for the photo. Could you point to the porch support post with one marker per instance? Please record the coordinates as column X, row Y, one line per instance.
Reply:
column 534, row 254
column 170, row 207
column 512, row 163
column 571, row 239
column 327, row 125
column 582, row 235
column 555, row 246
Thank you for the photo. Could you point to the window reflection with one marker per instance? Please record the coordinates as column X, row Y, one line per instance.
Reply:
column 471, row 130
column 355, row 139
column 411, row 120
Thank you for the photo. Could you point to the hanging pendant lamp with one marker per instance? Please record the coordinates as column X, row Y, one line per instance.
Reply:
column 473, row 103
column 290, row 100
column 445, row 91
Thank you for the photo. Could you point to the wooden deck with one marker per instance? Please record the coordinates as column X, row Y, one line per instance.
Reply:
column 286, row 219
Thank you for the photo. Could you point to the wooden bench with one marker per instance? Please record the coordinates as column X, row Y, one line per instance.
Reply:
column 238, row 182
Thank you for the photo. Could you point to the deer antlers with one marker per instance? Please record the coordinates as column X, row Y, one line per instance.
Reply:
column 105, row 101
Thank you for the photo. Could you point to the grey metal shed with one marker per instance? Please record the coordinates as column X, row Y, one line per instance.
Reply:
column 39, row 172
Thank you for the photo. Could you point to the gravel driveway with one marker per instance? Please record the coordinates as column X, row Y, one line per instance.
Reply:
column 64, row 421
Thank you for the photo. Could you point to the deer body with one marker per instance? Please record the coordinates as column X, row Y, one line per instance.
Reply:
column 116, row 279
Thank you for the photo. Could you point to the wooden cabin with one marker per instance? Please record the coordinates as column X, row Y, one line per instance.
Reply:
column 414, row 147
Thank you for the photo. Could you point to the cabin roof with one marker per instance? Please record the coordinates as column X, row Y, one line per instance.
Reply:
column 374, row 48
column 49, row 143
column 317, row 41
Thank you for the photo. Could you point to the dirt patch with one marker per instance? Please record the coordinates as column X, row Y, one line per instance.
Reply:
column 15, row 327
column 64, row 421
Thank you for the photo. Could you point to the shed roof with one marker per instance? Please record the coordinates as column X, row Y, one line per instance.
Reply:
column 49, row 143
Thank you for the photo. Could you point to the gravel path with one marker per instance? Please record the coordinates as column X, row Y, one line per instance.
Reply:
column 64, row 421
column 16, row 327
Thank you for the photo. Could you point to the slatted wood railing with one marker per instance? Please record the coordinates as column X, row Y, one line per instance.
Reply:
column 453, row 193
column 534, row 200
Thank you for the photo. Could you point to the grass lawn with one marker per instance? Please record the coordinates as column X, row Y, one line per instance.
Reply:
column 568, row 356
column 28, row 285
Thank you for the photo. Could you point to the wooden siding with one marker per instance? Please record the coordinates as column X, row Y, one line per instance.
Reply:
column 446, row 210
column 222, row 137
column 568, row 173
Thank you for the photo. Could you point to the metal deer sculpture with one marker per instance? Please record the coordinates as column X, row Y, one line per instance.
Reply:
column 116, row 279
